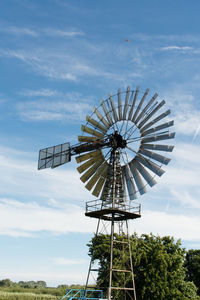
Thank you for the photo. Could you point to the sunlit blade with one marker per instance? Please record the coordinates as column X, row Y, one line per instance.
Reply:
column 157, row 128
column 98, row 186
column 89, row 163
column 82, row 138
column 160, row 117
column 126, row 102
column 149, row 179
column 101, row 118
column 107, row 114
column 87, row 156
column 160, row 158
column 129, row 183
column 151, row 113
column 158, row 138
column 140, row 105
column 138, row 180
column 119, row 104
column 91, row 131
column 146, row 108
column 133, row 104
column 101, row 172
column 166, row 148
column 96, row 124
column 103, row 169
column 150, row 165
column 90, row 171
column 113, row 109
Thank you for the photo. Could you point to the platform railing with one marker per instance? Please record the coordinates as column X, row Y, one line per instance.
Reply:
column 82, row 294
column 98, row 204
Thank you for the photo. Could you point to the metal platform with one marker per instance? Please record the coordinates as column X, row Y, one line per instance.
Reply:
column 106, row 211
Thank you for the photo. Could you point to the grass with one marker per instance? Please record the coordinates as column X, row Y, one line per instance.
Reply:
column 26, row 296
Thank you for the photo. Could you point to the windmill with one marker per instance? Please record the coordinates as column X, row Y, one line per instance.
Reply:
column 120, row 153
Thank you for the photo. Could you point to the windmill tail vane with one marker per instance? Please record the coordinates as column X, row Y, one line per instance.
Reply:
column 55, row 156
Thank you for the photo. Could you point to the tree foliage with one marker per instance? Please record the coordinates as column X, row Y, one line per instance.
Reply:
column 158, row 266
column 192, row 264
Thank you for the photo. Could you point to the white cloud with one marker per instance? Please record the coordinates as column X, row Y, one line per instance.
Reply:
column 63, row 33
column 186, row 113
column 185, row 198
column 20, row 178
column 71, row 65
column 48, row 111
column 39, row 93
column 182, row 48
column 43, row 62
column 183, row 176
column 187, row 154
column 22, row 31
column 30, row 218
column 36, row 115
column 184, row 227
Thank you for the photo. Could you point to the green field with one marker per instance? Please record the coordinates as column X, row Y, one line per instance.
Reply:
column 23, row 296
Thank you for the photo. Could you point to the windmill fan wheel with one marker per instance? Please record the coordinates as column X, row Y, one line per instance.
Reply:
column 134, row 126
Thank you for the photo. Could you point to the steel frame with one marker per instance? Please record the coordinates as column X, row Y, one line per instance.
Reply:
column 116, row 212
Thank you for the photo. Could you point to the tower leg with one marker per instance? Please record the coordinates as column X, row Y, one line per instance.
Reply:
column 91, row 261
column 111, row 258
column 131, row 262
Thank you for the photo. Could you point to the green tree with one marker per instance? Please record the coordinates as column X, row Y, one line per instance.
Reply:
column 158, row 266
column 192, row 264
column 6, row 283
column 41, row 284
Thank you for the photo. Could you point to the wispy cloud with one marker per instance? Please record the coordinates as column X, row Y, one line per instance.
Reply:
column 19, row 177
column 180, row 226
column 62, row 33
column 185, row 108
column 43, row 63
column 184, row 174
column 29, row 219
column 22, row 31
column 185, row 198
column 50, row 111
column 178, row 48
column 19, row 31
column 39, row 93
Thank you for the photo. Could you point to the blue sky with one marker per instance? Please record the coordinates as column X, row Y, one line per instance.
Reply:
column 57, row 60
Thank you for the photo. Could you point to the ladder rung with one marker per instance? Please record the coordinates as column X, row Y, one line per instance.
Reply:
column 122, row 288
column 121, row 242
column 116, row 270
column 96, row 270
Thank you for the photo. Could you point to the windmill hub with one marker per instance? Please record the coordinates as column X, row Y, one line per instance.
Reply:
column 117, row 141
